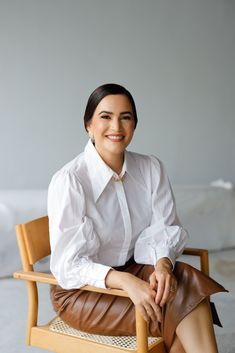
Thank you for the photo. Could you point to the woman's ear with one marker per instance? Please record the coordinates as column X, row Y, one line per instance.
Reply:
column 91, row 135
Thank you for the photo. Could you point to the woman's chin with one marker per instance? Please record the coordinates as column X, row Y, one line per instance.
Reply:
column 115, row 147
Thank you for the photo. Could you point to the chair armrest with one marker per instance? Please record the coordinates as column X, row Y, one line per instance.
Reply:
column 195, row 251
column 34, row 276
column 204, row 258
column 50, row 279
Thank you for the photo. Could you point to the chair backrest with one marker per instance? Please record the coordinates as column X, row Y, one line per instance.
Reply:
column 33, row 241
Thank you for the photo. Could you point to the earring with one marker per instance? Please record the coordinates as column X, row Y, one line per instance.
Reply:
column 91, row 136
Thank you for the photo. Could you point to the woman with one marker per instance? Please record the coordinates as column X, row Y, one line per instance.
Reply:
column 113, row 224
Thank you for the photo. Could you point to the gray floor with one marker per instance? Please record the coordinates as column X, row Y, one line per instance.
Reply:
column 13, row 307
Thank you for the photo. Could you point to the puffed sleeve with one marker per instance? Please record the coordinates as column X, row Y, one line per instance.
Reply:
column 73, row 239
column 165, row 237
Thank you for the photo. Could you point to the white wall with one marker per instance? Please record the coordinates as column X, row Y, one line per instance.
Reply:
column 177, row 57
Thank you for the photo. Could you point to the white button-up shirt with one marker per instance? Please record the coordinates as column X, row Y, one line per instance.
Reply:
column 98, row 219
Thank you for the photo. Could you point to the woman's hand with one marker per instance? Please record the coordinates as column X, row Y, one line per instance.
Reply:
column 139, row 291
column 163, row 281
column 143, row 296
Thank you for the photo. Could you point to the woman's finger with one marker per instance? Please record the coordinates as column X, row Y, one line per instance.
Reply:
column 170, row 290
column 173, row 288
column 143, row 313
column 167, row 291
column 160, row 288
column 153, row 281
column 157, row 311
column 150, row 312
column 153, row 310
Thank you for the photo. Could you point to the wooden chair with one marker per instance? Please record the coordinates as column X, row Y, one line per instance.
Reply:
column 56, row 336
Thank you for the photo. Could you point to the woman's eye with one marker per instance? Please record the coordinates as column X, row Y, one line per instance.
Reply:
column 126, row 117
column 105, row 117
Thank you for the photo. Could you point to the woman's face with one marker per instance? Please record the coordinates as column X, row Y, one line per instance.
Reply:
column 112, row 125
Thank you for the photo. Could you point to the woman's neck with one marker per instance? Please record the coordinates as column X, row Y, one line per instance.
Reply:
column 116, row 165
column 114, row 161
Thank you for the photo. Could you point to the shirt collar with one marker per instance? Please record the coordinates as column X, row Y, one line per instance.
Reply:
column 99, row 172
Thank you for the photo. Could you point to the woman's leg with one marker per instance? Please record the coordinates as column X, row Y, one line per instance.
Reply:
column 176, row 346
column 196, row 332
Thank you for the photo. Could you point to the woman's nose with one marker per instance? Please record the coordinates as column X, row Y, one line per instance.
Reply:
column 116, row 125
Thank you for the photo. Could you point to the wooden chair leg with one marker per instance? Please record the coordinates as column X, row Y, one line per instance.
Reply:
column 141, row 333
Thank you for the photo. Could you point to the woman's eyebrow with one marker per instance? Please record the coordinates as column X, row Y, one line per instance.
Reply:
column 127, row 112
column 105, row 111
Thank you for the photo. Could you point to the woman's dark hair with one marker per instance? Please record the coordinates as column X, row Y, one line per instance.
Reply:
column 99, row 93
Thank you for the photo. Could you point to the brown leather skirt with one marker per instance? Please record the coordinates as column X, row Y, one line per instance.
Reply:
column 109, row 315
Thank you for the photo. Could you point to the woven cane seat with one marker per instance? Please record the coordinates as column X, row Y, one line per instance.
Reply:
column 128, row 342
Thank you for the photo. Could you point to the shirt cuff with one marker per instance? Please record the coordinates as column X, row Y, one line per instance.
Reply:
column 97, row 276
column 165, row 252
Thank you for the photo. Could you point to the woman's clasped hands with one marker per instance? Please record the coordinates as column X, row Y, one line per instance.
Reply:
column 149, row 298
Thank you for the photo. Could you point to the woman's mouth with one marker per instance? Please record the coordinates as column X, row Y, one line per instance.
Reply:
column 115, row 138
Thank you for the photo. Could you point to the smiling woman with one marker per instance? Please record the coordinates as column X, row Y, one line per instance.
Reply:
column 113, row 223
column 111, row 128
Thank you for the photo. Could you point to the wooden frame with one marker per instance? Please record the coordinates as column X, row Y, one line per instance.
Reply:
column 33, row 242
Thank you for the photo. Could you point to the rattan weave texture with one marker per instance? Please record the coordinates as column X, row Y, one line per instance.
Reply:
column 128, row 342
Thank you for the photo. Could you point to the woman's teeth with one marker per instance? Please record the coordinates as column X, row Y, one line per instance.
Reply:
column 115, row 138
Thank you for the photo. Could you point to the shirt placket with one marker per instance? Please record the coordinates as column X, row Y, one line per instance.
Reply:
column 126, row 220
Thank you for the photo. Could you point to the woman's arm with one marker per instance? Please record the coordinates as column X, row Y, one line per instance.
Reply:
column 164, row 240
column 73, row 239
